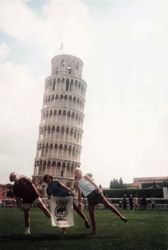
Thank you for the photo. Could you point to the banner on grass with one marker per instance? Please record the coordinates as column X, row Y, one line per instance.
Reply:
column 62, row 211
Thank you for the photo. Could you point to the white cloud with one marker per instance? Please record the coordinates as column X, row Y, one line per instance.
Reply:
column 21, row 97
column 60, row 20
column 127, row 73
column 17, row 20
column 125, row 51
column 21, row 92
column 4, row 50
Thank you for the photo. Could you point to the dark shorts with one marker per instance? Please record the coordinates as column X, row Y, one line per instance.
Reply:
column 94, row 198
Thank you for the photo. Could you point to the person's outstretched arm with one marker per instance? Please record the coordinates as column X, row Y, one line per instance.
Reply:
column 68, row 189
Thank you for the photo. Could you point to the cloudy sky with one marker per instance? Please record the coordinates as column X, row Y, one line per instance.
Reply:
column 124, row 47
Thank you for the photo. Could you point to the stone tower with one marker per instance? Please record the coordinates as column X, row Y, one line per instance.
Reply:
column 62, row 115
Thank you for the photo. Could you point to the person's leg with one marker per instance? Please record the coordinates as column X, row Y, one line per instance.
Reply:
column 27, row 217
column 92, row 218
column 44, row 209
column 27, row 220
column 81, row 214
column 107, row 204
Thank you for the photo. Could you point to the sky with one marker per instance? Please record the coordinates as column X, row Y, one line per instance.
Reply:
column 124, row 47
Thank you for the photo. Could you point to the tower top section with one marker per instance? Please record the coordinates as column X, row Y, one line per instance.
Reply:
column 65, row 64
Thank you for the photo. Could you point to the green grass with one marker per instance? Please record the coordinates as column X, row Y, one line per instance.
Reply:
column 145, row 230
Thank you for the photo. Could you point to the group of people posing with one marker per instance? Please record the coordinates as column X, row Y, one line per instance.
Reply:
column 27, row 195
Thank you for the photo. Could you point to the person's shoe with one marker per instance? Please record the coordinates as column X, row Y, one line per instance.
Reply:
column 124, row 219
column 27, row 231
column 87, row 224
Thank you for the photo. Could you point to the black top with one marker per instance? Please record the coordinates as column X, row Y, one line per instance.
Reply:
column 24, row 189
column 56, row 189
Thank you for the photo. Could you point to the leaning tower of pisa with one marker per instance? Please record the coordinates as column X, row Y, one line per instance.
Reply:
column 62, row 115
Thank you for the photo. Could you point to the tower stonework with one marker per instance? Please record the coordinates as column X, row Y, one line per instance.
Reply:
column 62, row 115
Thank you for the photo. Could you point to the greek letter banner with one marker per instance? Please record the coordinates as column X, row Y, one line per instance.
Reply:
column 62, row 211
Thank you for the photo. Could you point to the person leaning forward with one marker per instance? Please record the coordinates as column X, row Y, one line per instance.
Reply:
column 26, row 195
column 58, row 189
column 94, row 196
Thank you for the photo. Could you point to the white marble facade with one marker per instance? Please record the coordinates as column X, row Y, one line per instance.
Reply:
column 62, row 115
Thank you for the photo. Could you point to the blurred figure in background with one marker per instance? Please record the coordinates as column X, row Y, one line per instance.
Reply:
column 136, row 203
column 131, row 202
column 124, row 201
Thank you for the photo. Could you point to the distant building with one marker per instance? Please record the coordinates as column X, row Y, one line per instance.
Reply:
column 147, row 182
column 156, row 187
column 3, row 191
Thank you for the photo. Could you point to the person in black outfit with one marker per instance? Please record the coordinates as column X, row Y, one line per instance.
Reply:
column 26, row 195
column 124, row 202
column 131, row 203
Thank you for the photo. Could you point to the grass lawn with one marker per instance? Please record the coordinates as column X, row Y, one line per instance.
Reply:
column 145, row 230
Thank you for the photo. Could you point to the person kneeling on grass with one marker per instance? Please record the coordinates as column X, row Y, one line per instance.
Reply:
column 58, row 189
column 26, row 195
column 94, row 196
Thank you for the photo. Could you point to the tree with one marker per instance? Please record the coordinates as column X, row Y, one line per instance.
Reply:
column 115, row 183
column 121, row 185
